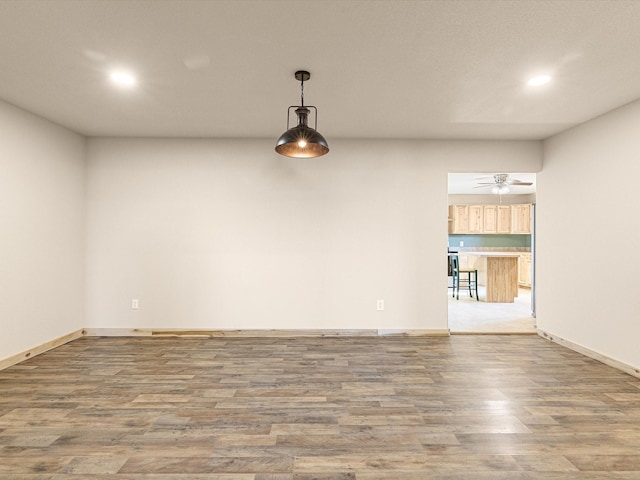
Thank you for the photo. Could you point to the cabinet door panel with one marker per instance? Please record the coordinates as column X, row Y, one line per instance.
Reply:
column 504, row 219
column 524, row 270
column 475, row 218
column 490, row 220
column 460, row 219
column 521, row 219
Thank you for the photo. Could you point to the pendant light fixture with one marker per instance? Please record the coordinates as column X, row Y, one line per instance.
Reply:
column 302, row 141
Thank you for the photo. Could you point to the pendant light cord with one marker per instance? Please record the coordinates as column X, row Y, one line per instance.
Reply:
column 302, row 91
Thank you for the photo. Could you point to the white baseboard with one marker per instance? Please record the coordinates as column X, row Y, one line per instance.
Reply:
column 32, row 352
column 138, row 332
column 591, row 353
column 415, row 333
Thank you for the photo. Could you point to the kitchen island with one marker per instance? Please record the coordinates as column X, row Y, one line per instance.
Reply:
column 498, row 273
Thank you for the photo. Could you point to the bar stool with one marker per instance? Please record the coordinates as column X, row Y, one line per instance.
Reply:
column 465, row 277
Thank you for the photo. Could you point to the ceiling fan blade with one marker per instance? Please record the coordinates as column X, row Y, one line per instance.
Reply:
column 518, row 182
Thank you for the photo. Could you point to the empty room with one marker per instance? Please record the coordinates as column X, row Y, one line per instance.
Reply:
column 223, row 231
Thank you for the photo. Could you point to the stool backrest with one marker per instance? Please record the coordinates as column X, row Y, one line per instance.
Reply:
column 455, row 265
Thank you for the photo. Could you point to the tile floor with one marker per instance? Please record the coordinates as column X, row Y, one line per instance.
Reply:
column 467, row 315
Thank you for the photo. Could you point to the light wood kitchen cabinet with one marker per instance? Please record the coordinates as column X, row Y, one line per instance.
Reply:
column 497, row 219
column 503, row 219
column 458, row 219
column 521, row 218
column 524, row 270
column 490, row 219
column 475, row 218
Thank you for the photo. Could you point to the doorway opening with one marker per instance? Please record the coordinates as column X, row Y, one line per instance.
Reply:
column 491, row 224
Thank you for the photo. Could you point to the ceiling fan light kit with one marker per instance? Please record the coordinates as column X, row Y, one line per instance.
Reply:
column 302, row 141
column 499, row 189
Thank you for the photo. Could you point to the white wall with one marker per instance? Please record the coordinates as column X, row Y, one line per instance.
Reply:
column 226, row 234
column 589, row 235
column 41, row 232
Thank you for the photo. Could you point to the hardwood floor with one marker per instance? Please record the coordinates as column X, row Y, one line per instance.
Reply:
column 365, row 408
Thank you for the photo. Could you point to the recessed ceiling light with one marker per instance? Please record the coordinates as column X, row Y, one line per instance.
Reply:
column 539, row 80
column 124, row 79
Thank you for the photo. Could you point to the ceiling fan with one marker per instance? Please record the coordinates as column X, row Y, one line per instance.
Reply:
column 501, row 183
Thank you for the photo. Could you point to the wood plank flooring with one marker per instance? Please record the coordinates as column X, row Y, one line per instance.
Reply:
column 365, row 408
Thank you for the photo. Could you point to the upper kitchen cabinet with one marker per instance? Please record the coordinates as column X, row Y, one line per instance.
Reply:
column 458, row 219
column 490, row 219
column 476, row 213
column 504, row 219
column 521, row 218
column 497, row 219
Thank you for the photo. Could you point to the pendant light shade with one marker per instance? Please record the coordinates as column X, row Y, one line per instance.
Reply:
column 302, row 141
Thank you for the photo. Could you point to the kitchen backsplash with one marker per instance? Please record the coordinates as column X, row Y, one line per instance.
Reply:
column 491, row 242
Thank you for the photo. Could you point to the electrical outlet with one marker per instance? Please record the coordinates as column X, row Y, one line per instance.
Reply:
column 135, row 304
column 380, row 305
column 461, row 243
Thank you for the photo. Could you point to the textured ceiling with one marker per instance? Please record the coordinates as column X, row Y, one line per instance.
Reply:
column 380, row 69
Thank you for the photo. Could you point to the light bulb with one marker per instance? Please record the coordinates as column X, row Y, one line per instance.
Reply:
column 302, row 143
column 539, row 80
column 499, row 189
column 123, row 79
